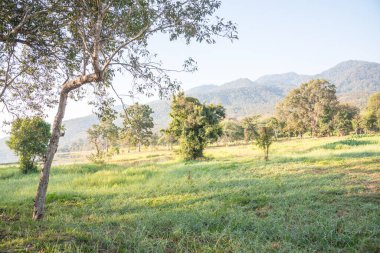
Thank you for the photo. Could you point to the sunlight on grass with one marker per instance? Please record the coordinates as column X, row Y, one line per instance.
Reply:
column 313, row 195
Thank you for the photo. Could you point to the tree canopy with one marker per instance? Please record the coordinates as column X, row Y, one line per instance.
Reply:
column 29, row 140
column 138, row 124
column 194, row 124
column 309, row 108
column 372, row 113
column 100, row 38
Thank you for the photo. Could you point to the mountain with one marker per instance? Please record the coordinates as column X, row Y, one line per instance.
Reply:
column 355, row 81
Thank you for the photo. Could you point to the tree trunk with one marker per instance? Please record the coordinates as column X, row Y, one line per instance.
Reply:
column 39, row 201
column 139, row 147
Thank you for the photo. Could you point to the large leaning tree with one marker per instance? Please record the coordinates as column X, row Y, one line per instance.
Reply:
column 104, row 37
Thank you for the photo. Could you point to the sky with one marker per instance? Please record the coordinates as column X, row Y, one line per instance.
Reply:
column 275, row 36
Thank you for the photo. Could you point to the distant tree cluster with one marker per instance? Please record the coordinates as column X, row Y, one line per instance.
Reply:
column 136, row 130
column 313, row 108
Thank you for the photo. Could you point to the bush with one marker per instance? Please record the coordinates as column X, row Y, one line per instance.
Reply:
column 29, row 140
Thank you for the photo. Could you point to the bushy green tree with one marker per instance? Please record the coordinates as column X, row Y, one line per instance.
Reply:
column 29, row 139
column 264, row 139
column 250, row 127
column 372, row 113
column 358, row 124
column 310, row 107
column 194, row 124
column 276, row 125
column 343, row 119
column 138, row 124
column 232, row 130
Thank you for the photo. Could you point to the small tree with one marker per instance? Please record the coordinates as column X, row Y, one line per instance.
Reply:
column 194, row 124
column 138, row 124
column 372, row 113
column 104, row 137
column 358, row 124
column 29, row 140
column 264, row 139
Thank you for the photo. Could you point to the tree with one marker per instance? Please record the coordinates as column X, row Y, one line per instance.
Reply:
column 250, row 127
column 358, row 124
column 194, row 124
column 343, row 119
column 29, row 140
column 232, row 130
column 104, row 136
column 264, row 139
column 372, row 113
column 167, row 138
column 27, row 55
column 276, row 125
column 138, row 124
column 105, row 37
column 309, row 107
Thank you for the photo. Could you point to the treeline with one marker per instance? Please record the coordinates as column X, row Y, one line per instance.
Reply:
column 311, row 109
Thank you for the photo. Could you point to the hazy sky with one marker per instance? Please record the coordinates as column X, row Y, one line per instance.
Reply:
column 275, row 36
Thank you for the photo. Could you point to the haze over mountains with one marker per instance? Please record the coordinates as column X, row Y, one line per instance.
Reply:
column 355, row 81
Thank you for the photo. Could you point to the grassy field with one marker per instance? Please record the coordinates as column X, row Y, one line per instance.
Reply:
column 314, row 195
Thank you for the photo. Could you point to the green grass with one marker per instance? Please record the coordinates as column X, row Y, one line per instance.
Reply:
column 314, row 195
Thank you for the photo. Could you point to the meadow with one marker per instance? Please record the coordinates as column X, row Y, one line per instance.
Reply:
column 314, row 195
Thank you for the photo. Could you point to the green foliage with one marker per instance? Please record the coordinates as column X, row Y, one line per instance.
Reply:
column 276, row 125
column 232, row 131
column 104, row 136
column 264, row 139
column 28, row 31
column 310, row 108
column 29, row 139
column 343, row 119
column 250, row 127
column 194, row 124
column 138, row 124
column 167, row 138
column 372, row 113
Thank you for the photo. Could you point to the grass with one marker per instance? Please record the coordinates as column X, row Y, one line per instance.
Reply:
column 314, row 195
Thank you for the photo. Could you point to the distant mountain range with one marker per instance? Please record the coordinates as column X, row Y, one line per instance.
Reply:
column 355, row 81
